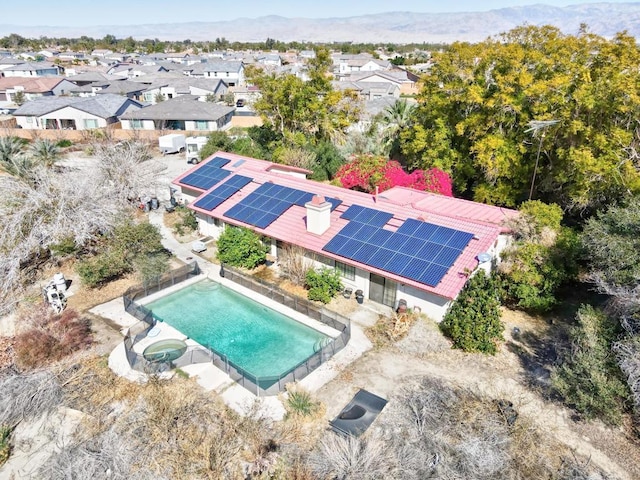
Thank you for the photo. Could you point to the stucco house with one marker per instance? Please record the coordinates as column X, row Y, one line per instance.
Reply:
column 232, row 73
column 33, row 88
column 400, row 245
column 185, row 112
column 32, row 69
column 73, row 113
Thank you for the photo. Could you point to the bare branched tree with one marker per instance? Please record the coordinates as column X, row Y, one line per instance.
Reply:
column 127, row 169
column 28, row 396
column 350, row 458
column 294, row 265
column 46, row 207
column 628, row 356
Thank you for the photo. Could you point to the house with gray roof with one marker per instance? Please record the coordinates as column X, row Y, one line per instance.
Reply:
column 74, row 113
column 185, row 112
column 172, row 86
column 31, row 69
column 232, row 73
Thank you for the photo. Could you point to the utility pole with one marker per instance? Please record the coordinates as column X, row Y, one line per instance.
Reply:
column 536, row 126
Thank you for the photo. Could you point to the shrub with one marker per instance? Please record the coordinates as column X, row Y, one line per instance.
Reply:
column 66, row 246
column 151, row 267
column 589, row 379
column 52, row 337
column 5, row 446
column 300, row 402
column 323, row 284
column 188, row 221
column 543, row 258
column 64, row 143
column 130, row 244
column 241, row 247
column 473, row 322
column 101, row 269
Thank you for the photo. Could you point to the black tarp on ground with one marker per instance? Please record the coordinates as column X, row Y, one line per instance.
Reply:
column 359, row 414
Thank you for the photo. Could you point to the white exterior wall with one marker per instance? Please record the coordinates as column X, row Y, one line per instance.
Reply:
column 31, row 73
column 431, row 305
column 146, row 125
column 67, row 113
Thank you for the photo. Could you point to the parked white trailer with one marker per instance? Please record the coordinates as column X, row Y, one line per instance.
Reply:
column 194, row 145
column 172, row 143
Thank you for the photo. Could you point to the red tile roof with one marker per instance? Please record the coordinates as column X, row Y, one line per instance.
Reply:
column 483, row 221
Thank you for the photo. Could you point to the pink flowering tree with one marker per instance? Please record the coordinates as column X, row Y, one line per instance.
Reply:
column 368, row 171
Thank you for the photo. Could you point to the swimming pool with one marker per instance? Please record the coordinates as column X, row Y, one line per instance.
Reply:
column 256, row 338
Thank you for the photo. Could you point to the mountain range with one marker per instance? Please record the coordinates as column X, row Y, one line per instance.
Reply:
column 604, row 19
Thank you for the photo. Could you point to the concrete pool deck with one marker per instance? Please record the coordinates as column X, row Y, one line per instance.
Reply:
column 207, row 375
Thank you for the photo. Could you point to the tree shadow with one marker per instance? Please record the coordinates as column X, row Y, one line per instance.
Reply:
column 538, row 355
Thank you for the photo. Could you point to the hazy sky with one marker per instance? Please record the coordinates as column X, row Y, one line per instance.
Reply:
column 128, row 12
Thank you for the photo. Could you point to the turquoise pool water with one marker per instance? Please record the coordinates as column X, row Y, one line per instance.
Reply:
column 254, row 337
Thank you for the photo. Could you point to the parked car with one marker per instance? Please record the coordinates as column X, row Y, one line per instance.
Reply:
column 240, row 102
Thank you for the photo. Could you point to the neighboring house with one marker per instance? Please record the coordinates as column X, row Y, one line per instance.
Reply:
column 185, row 112
column 70, row 56
column 31, row 69
column 401, row 245
column 101, row 52
column 345, row 64
column 33, row 88
column 405, row 80
column 369, row 90
column 172, row 87
column 270, row 59
column 125, row 88
column 232, row 73
column 73, row 113
column 133, row 71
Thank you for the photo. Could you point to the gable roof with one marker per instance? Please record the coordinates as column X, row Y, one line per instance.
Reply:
column 31, row 85
column 290, row 226
column 103, row 106
column 29, row 66
column 184, row 107
column 222, row 66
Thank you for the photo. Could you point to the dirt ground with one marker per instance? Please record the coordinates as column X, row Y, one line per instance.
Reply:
column 518, row 372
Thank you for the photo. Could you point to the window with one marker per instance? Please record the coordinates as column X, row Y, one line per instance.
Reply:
column 136, row 124
column 202, row 125
column 326, row 261
column 347, row 272
column 90, row 123
column 148, row 97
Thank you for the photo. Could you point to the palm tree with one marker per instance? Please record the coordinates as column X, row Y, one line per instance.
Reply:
column 13, row 159
column 45, row 152
column 393, row 120
column 9, row 148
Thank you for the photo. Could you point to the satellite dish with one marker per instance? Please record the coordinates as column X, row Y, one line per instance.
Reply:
column 484, row 257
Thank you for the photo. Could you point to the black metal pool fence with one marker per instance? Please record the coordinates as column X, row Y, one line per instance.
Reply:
column 260, row 386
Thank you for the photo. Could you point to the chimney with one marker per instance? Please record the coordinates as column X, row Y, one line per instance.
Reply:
column 318, row 215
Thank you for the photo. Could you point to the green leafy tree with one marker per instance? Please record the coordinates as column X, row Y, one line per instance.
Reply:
column 589, row 379
column 19, row 98
column 291, row 105
column 478, row 102
column 216, row 141
column 542, row 259
column 323, row 284
column 611, row 240
column 130, row 246
column 241, row 247
column 473, row 321
column 328, row 161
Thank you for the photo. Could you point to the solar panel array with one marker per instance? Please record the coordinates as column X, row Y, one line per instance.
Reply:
column 418, row 250
column 266, row 203
column 208, row 174
column 221, row 193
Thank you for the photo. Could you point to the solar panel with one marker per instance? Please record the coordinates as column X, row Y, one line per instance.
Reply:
column 417, row 250
column 208, row 174
column 352, row 212
column 334, row 203
column 214, row 198
column 409, row 226
column 366, row 215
